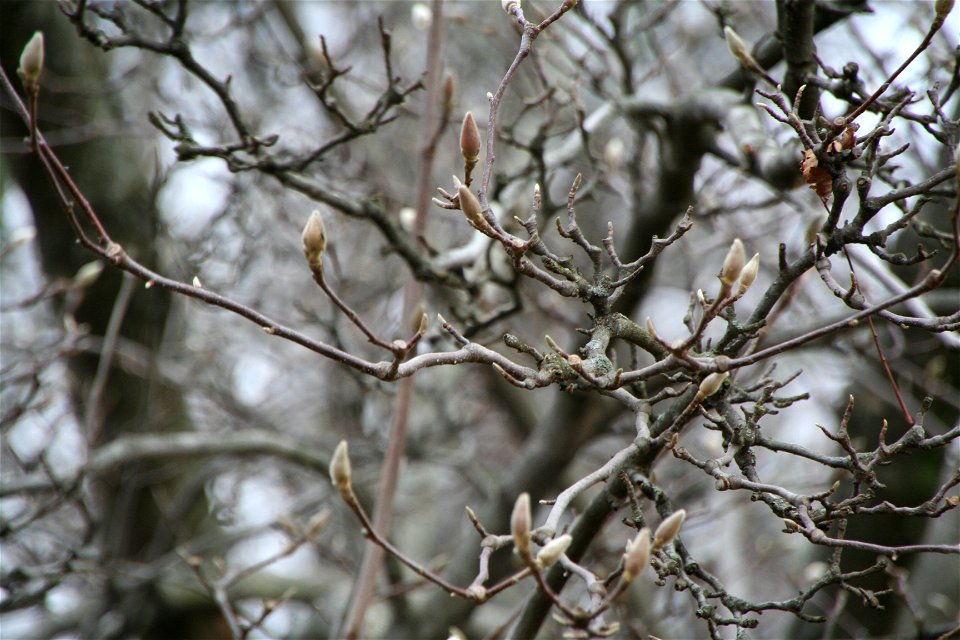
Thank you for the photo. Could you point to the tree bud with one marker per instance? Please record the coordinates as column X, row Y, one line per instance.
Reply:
column 471, row 208
column 424, row 323
column 510, row 5
column 314, row 240
column 551, row 551
column 340, row 472
column 669, row 529
column 470, row 139
column 449, row 87
column 477, row 593
column 521, row 521
column 711, row 384
column 749, row 273
column 31, row 62
column 732, row 264
column 637, row 555
column 739, row 48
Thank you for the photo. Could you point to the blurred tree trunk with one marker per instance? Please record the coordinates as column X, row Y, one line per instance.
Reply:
column 114, row 173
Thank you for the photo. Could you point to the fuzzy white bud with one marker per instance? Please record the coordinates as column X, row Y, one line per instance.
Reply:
column 340, row 470
column 31, row 62
column 669, row 529
column 314, row 238
column 749, row 273
column 521, row 520
column 733, row 263
column 552, row 551
column 637, row 555
column 711, row 384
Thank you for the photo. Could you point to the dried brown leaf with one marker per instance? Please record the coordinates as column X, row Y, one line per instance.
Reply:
column 816, row 176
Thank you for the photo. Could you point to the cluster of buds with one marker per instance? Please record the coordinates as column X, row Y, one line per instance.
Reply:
column 736, row 267
column 637, row 555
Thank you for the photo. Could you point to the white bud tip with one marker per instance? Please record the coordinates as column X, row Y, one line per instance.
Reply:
column 669, row 529
column 712, row 383
column 637, row 555
column 521, row 520
column 552, row 551
column 733, row 263
column 31, row 60
column 340, row 468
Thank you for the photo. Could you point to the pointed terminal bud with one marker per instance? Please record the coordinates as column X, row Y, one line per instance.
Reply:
column 31, row 62
column 340, row 471
column 669, row 529
column 711, row 384
column 424, row 323
column 552, row 551
column 732, row 266
column 739, row 48
column 637, row 555
column 471, row 208
column 521, row 521
column 449, row 88
column 197, row 283
column 749, row 273
column 314, row 240
column 470, row 139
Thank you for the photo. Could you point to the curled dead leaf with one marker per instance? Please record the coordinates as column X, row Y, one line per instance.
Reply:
column 816, row 176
